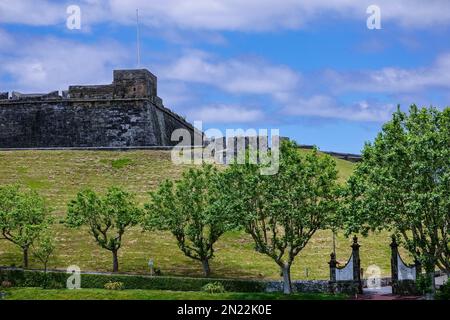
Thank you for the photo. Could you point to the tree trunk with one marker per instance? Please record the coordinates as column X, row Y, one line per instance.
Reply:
column 25, row 258
column 115, row 261
column 433, row 282
column 287, row 285
column 206, row 269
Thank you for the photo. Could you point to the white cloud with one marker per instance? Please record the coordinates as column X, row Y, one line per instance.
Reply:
column 284, row 85
column 30, row 12
column 228, row 15
column 234, row 76
column 226, row 114
column 262, row 15
column 6, row 41
column 48, row 64
column 175, row 93
column 394, row 80
column 231, row 15
column 327, row 107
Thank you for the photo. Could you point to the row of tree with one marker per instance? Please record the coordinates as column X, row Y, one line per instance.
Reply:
column 401, row 185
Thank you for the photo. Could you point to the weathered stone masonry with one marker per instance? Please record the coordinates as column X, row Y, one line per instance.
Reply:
column 126, row 113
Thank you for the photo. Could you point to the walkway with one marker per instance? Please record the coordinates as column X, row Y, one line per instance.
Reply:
column 383, row 293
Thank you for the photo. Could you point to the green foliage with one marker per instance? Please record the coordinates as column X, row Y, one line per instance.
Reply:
column 54, row 285
column 107, row 217
column 44, row 248
column 24, row 216
column 48, row 282
column 403, row 185
column 27, row 278
column 283, row 211
column 214, row 287
column 114, row 286
column 444, row 291
column 192, row 211
column 424, row 284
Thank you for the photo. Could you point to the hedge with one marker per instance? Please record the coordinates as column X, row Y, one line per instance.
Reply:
column 28, row 278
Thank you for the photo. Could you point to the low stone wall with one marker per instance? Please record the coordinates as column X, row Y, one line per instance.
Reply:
column 300, row 286
column 405, row 288
column 316, row 286
column 348, row 287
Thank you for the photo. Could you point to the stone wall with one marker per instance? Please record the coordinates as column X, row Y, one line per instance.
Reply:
column 347, row 287
column 96, row 123
column 126, row 113
column 318, row 286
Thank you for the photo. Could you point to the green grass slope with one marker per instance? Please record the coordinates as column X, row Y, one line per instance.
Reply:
column 59, row 175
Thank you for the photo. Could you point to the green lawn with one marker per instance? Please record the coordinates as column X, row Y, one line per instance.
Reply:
column 59, row 175
column 99, row 294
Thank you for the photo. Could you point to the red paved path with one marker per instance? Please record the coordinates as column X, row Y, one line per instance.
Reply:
column 385, row 297
column 383, row 293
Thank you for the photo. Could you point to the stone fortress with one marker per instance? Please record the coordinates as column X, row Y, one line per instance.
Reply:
column 126, row 113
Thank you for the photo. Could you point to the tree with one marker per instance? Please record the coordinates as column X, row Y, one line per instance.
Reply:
column 403, row 185
column 23, row 217
column 282, row 212
column 43, row 248
column 108, row 217
column 191, row 210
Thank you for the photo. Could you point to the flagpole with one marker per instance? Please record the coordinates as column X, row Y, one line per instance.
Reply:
column 138, row 40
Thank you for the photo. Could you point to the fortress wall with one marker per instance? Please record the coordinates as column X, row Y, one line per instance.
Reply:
column 92, row 92
column 87, row 123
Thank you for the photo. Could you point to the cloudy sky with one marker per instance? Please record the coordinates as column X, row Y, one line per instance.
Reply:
column 310, row 68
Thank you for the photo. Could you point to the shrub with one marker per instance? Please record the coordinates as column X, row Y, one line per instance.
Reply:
column 114, row 286
column 53, row 285
column 48, row 282
column 444, row 291
column 27, row 278
column 214, row 287
column 6, row 284
column 424, row 284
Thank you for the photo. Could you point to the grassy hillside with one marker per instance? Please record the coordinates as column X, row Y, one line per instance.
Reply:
column 58, row 175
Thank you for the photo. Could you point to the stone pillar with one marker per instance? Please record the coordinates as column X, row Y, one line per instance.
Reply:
column 332, row 287
column 394, row 265
column 356, row 264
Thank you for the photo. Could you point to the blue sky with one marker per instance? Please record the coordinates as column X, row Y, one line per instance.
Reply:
column 309, row 68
